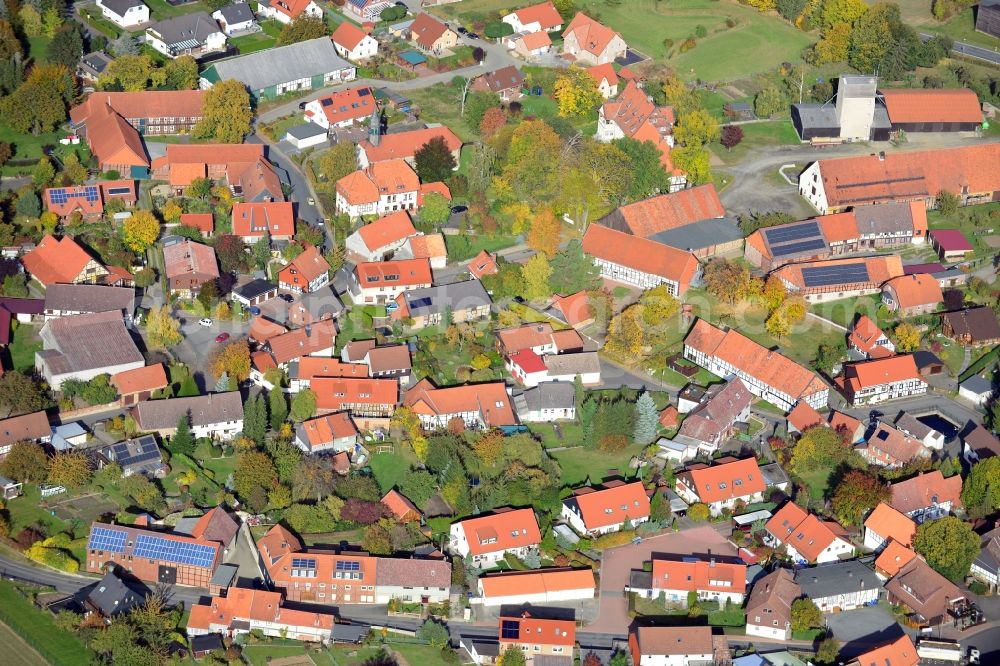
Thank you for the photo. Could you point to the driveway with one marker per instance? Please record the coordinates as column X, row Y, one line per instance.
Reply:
column 617, row 564
column 861, row 629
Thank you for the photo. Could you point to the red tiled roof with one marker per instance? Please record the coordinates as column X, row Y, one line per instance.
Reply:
column 803, row 531
column 611, row 504
column 386, row 177
column 427, row 30
column 537, row 631
column 718, row 483
column 483, row 264
column 536, row 40
column 317, row 337
column 881, row 371
column 348, row 35
column 524, row 583
column 699, row 575
column 592, row 36
column 891, row 524
column 402, row 145
column 864, row 333
column 348, row 104
column 490, row 400
column 325, row 429
column 640, row 254
column 142, row 104
column 803, row 416
column 670, row 211
column 879, row 270
column 304, row 268
column 928, row 105
column 893, row 558
column 900, row 652
column 56, row 260
column 203, row 222
column 925, row 490
column 290, row 8
column 392, row 228
column 915, row 290
column 504, row 529
column 402, row 508
column 337, row 393
column 605, row 72
column 437, row 187
column 277, row 218
column 113, row 141
column 404, row 272
column 575, row 308
column 148, row 378
column 544, row 13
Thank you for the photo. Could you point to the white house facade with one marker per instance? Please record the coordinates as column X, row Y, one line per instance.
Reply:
column 124, row 13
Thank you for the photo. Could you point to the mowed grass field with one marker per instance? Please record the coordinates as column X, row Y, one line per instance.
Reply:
column 756, row 43
column 18, row 652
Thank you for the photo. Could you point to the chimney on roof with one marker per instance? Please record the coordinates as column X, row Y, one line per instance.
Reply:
column 711, row 562
column 881, row 156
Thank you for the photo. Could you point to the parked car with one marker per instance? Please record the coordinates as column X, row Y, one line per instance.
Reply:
column 311, row 201
column 473, row 35
column 302, row 105
column 222, row 337
column 459, row 209
column 286, row 298
column 205, row 322
column 462, row 31
column 254, row 310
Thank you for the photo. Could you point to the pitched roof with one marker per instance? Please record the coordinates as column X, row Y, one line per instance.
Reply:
column 427, row 29
column 505, row 78
column 924, row 590
column 891, row 524
column 387, row 230
column 56, row 260
column 876, row 372
column 772, row 597
column 483, row 264
column 87, row 298
column 536, row 40
column 979, row 324
column 490, row 400
column 592, row 36
column 310, row 367
column 915, row 290
column 674, row 640
column 337, row 393
column 400, row 145
column 241, row 605
column 924, row 490
column 216, row 525
column 180, row 30
column 290, row 8
column 537, row 631
column 605, row 72
column 668, row 211
column 803, row 531
column 428, row 246
column 544, row 13
column 503, row 529
column 575, row 308
column 899, row 652
column 911, row 174
column 142, row 104
column 875, row 271
column 275, row 66
column 399, row 505
column 690, row 574
column 188, row 258
column 640, row 254
column 306, row 267
column 403, row 272
column 262, row 329
column 344, row 105
column 325, row 429
column 389, row 177
column 769, row 367
column 890, row 446
column 982, row 442
column 864, row 334
column 348, row 35
column 803, row 416
column 204, row 410
column 929, row 105
column 611, row 504
column 389, row 357
column 113, row 141
column 146, row 378
column 26, row 427
column 951, row 240
column 717, row 412
column 277, row 218
column 203, row 222
column 894, row 557
column 539, row 581
column 89, row 341
column 303, row 341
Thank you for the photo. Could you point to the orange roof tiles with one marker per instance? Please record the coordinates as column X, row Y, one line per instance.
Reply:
column 243, row 604
column 911, row 175
column 803, row 531
column 605, row 72
column 540, row 581
column 538, row 631
column 483, row 264
column 290, row 8
column 925, row 490
column 263, row 329
column 348, row 35
column 113, row 141
column 203, row 222
column 592, row 36
column 670, row 211
column 915, row 290
column 437, row 187
column 768, row 367
column 611, row 504
column 324, row 366
column 840, row 420
column 345, row 105
column 668, row 417
column 402, row 508
column 891, row 524
column 638, row 118
column 429, row 246
column 56, row 260
column 928, row 105
column 864, row 334
column 384, row 231
column 544, row 13
column 536, row 40
column 900, row 652
column 389, row 177
column 147, row 378
column 839, row 227
column 303, row 341
column 404, row 144
column 339, row 393
column 504, row 529
column 718, row 483
column 641, row 254
column 427, row 30
column 880, row 269
column 404, row 272
column 490, row 400
column 142, row 104
column 324, row 430
column 803, row 416
column 880, row 371
column 185, row 162
column 575, row 308
column 252, row 220
column 893, row 558
column 304, row 268
column 699, row 575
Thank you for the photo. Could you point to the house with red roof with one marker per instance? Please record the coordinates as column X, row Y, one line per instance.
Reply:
column 802, row 417
column 606, row 79
column 851, row 428
column 330, row 432
column 353, row 43
column 950, row 244
column 342, row 108
column 378, row 189
column 251, row 221
column 203, row 222
column 242, row 167
column 614, row 506
column 383, row 281
column 891, row 448
column 881, row 379
column 403, row 145
column 530, row 45
column 640, row 262
column 483, row 264
column 591, row 43
column 401, row 508
column 489, row 538
column 549, row 585
column 538, row 637
column 88, row 200
column 927, row 496
column 306, row 273
column 912, row 295
column 57, row 260
column 243, row 610
column 140, row 384
column 885, row 524
column 188, row 266
column 431, row 35
column 723, row 484
column 542, row 16
column 899, row 652
column 379, row 239
column 286, row 11
column 574, row 309
column 868, row 340
column 710, row 578
column 634, row 115
column 806, row 538
column 477, row 405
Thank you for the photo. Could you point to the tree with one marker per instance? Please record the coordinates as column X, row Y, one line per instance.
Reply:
column 254, row 469
column 434, row 633
column 302, row 29
column 834, row 12
column 857, row 494
column 949, row 545
column 433, row 161
column 576, row 92
column 827, row 651
column 262, row 251
column 21, row 394
column 818, row 448
column 476, row 106
column 573, row 271
column 303, row 405
column 140, row 230
column 981, row 489
column 255, row 419
column 493, row 120
column 70, row 469
column 829, row 355
column 232, row 359
column 435, row 211
column 694, row 162
column 777, row 325
column 39, row 104
column 536, row 278
column 532, row 166
column 231, row 252
column 806, row 615
column 728, row 281
column 698, row 512
column 66, row 47
column 199, row 188
column 25, row 462
column 73, row 171
column 514, row 655
column 27, row 203
column 31, row 21
column 226, row 112
column 609, row 168
column 696, row 128
column 731, row 136
column 131, row 73
column 489, row 447
column 43, row 173
column 183, row 440
column 544, row 233
column 278, row 407
column 947, row 203
column 335, row 163
column 181, row 73
column 870, row 41
column 162, row 330
column 834, row 45
column 626, row 333
column 646, row 419
column 790, row 9
column 768, row 102
column 392, row 13
column 648, row 176
column 907, row 337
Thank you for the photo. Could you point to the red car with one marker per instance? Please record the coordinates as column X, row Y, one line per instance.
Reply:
column 222, row 337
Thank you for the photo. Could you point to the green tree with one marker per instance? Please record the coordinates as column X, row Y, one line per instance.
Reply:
column 696, row 128
column 335, row 163
column 302, row 29
column 818, row 448
column 435, row 211
column 981, row 489
column 262, row 251
column 433, row 161
column 947, row 203
column 25, row 462
column 73, row 171
column 573, row 271
column 648, row 176
column 254, row 469
column 279, row 407
column 183, row 440
column 806, row 615
column 646, row 419
column 226, row 112
column 871, row 39
column 949, row 545
column 303, row 405
column 20, row 394
column 434, row 633
column 768, row 102
column 27, row 203
column 828, row 651
column 181, row 73
column 132, row 73
column 66, row 47
column 255, row 419
column 43, row 173
column 514, row 655
column 536, row 277
column 693, row 161
column 31, row 21
column 532, row 166
column 659, row 507
column 39, row 104
column 476, row 105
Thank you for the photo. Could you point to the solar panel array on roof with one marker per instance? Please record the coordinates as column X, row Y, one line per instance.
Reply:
column 421, row 303
column 107, row 540
column 61, row 195
column 343, row 565
column 823, row 276
column 168, row 550
column 118, row 191
column 510, row 629
column 791, row 232
column 795, row 248
column 301, row 563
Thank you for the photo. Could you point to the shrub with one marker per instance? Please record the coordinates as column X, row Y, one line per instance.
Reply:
column 700, row 31
column 688, row 44
column 698, row 511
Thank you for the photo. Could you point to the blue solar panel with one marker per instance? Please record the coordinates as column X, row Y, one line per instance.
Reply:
column 57, row 195
column 116, row 191
column 61, row 195
column 786, row 234
column 348, row 566
column 510, row 629
column 420, row 303
column 795, row 248
column 299, row 563
column 168, row 550
column 823, row 276
column 102, row 538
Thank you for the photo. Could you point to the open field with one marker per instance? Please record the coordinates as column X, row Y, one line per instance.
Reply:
column 18, row 652
column 39, row 630
column 755, row 43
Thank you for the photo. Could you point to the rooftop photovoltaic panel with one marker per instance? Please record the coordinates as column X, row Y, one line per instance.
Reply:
column 348, row 566
column 108, row 540
column 61, row 195
column 510, row 629
column 786, row 234
column 117, row 191
column 179, row 552
column 840, row 274
column 795, row 248
column 300, row 563
column 420, row 303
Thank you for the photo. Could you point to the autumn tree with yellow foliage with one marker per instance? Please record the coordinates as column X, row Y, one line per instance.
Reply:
column 233, row 360
column 576, row 92
column 544, row 233
column 140, row 230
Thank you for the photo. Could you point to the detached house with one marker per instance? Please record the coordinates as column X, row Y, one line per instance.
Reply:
column 672, row 646
column 868, row 340
column 33, row 427
column 840, row 587
column 899, row 652
column 608, row 508
column 342, row 108
column 306, row 273
column 710, row 580
column 353, row 43
column 479, row 406
column 712, row 422
column 606, row 79
column 878, row 380
column 196, row 34
column 244, row 610
column 235, row 18
column 769, row 608
column 885, row 524
column 426, row 306
column 216, row 415
column 431, row 35
column 891, row 448
column 591, row 43
column 382, row 187
column 634, row 115
column 538, row 637
column 542, row 16
column 188, row 266
column 57, row 260
column 252, row 221
column 124, row 13
column 805, row 537
column 912, row 295
column 383, row 281
column 722, row 485
column 379, row 239
column 506, row 83
column 927, row 496
column 286, row 11
column 488, row 539
column 930, row 596
column 404, row 145
column 972, row 326
column 332, row 432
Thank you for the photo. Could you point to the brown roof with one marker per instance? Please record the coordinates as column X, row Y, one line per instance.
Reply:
column 146, row 378
column 56, row 260
column 505, row 78
column 669, row 211
column 890, row 446
column 772, row 597
column 978, row 324
column 427, row 30
column 592, row 36
column 189, row 259
column 25, row 427
column 216, row 525
column 358, row 349
column 89, row 298
column 640, row 254
column 391, row 357
column 924, row 590
column 303, row 341
column 88, row 342
column 204, row 410
column 674, row 640
column 717, row 412
column 490, row 400
column 928, row 105
column 925, row 490
column 982, row 442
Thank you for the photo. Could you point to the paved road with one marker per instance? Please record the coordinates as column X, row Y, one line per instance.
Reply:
column 971, row 50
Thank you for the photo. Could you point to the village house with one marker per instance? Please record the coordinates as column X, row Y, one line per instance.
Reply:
column 768, row 374
column 606, row 79
column 389, row 361
column 57, row 260
column 286, row 11
column 487, row 539
column 713, row 421
column 483, row 264
column 506, row 83
column 835, row 184
column 539, row 338
column 366, row 10
column 575, row 309
column 885, row 524
column 912, row 295
column 769, row 608
column 188, row 266
column 634, row 115
column 305, row 274
column 342, row 108
column 431, row 247
column 878, row 380
column 834, row 279
column 270, row 73
column 242, row 167
column 978, row 443
column 195, row 34
column 353, row 43
column 802, row 417
column 92, row 66
column 216, row 415
column 868, row 340
column 972, row 326
column 382, row 187
column 301, row 372
column 538, row 587
column 431, row 35
column 614, row 506
column 113, row 597
column 465, row 301
column 84, row 346
column 842, row 586
column 640, row 262
column 893, row 557
column 930, row 596
column 899, row 652
column 913, row 427
column 722, row 485
column 124, row 13
column 147, row 112
column 538, row 637
column 140, row 384
column 65, row 300
column 976, row 389
column 383, row 281
column 529, row 369
column 312, row 340
column 273, row 219
column 88, row 201
column 986, row 567
column 530, row 45
column 710, row 579
column 479, row 406
column 380, row 239
column 890, row 448
column 591, row 43
column 33, row 427
column 370, row 402
column 806, row 538
column 152, row 556
column 547, row 402
column 235, row 18
column 672, row 646
column 331, row 432
column 542, row 16
column 244, row 610
column 927, row 496
column 404, row 145
column 203, row 222
column 115, row 144
column 135, row 456
column 328, row 577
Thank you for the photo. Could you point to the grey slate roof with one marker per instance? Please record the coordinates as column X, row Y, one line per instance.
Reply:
column 458, row 296
column 825, row 116
column 187, row 28
column 204, row 410
column 705, row 233
column 121, row 6
column 280, row 65
column 97, row 61
column 977, row 384
column 909, row 424
column 306, row 131
column 89, row 298
column 112, row 596
column 828, row 580
column 547, row 395
column 349, row 633
column 239, row 12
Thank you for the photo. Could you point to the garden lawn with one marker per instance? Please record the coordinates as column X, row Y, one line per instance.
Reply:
column 23, row 347
column 758, row 135
column 39, row 630
column 463, row 248
column 24, row 511
column 261, row 655
column 441, row 103
column 816, row 481
column 27, row 148
column 581, row 463
column 572, row 432
column 161, row 9
column 390, row 468
column 252, row 43
column 19, row 653
column 962, row 28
